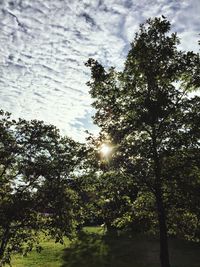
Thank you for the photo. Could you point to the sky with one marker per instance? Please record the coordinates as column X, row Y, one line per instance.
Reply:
column 45, row 43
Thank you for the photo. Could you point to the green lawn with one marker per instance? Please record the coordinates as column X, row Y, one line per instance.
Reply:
column 93, row 249
column 50, row 256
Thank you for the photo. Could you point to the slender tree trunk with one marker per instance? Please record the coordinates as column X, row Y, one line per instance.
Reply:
column 164, row 251
column 111, row 230
column 3, row 244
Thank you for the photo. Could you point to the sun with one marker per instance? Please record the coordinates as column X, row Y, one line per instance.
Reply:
column 105, row 149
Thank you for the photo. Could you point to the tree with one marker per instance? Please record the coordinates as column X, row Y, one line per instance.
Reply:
column 147, row 111
column 35, row 195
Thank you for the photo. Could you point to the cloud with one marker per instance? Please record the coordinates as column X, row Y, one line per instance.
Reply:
column 44, row 45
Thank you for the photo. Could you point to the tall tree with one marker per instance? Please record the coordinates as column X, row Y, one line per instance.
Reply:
column 146, row 110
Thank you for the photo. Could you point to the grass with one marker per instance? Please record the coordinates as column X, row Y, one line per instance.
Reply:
column 50, row 256
column 93, row 249
column 128, row 251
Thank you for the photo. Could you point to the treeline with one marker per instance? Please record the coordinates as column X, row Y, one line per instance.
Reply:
column 149, row 182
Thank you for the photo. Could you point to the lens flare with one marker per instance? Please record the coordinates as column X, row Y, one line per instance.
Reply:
column 105, row 149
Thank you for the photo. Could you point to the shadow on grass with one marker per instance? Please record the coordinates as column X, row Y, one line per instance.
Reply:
column 89, row 250
column 94, row 250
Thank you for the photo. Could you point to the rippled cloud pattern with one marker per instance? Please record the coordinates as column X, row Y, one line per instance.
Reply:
column 45, row 43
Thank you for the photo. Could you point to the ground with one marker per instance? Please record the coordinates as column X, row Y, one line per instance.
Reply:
column 93, row 249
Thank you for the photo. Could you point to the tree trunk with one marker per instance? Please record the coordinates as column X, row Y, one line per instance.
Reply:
column 3, row 244
column 164, row 252
column 111, row 230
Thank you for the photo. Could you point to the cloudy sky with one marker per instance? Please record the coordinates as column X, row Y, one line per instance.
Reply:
column 45, row 43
